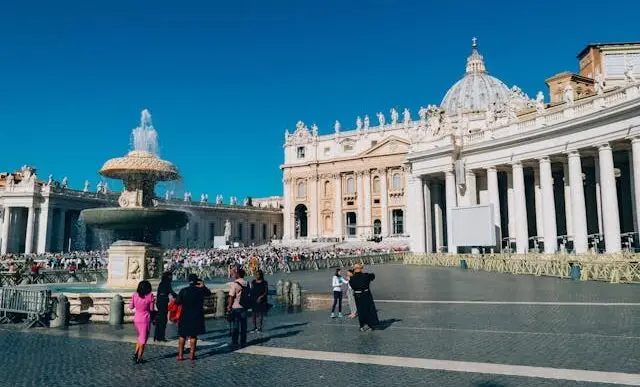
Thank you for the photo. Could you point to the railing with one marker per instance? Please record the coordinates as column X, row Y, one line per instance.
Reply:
column 52, row 277
column 623, row 268
column 35, row 305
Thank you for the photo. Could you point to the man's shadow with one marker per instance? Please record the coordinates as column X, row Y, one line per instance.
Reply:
column 258, row 341
column 384, row 324
column 226, row 332
column 489, row 383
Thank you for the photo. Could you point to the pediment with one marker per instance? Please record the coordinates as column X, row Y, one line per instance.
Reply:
column 390, row 145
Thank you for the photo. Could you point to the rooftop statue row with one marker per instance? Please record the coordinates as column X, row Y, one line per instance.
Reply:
column 204, row 198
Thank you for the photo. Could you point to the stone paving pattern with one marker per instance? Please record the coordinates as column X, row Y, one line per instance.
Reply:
column 602, row 338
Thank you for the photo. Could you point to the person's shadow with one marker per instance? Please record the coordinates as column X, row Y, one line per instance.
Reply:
column 258, row 341
column 489, row 383
column 384, row 324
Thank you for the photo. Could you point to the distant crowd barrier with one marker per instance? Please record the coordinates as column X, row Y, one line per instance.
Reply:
column 34, row 306
column 52, row 277
column 622, row 268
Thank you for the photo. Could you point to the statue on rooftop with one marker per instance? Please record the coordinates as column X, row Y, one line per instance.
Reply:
column 65, row 182
column 358, row 123
column 314, row 130
column 227, row 231
column 599, row 83
column 406, row 116
column 394, row 116
column 422, row 113
column 628, row 72
column 540, row 102
column 366, row 122
column 381, row 119
column 336, row 127
column 86, row 186
column 567, row 96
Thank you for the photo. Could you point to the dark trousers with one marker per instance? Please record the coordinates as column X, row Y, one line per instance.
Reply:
column 161, row 318
column 337, row 299
column 239, row 326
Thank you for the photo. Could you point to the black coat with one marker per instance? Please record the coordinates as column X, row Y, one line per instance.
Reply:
column 191, row 299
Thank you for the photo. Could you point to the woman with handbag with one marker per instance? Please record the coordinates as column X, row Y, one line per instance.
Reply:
column 143, row 303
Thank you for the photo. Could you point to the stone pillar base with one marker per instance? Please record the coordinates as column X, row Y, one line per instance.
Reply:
column 131, row 262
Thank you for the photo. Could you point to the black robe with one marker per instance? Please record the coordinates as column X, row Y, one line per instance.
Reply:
column 192, row 318
column 367, row 314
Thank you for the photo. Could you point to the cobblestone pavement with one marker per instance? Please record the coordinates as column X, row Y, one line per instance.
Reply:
column 588, row 337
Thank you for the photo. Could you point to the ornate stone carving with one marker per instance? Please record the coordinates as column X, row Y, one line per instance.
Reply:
column 599, row 83
column 336, row 127
column 628, row 72
column 152, row 267
column 301, row 136
column 358, row 123
column 130, row 199
column 135, row 269
column 406, row 117
column 422, row 113
column 314, row 130
column 567, row 96
column 394, row 116
column 227, row 230
column 381, row 119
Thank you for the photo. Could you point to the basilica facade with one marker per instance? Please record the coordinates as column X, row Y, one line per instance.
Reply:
column 559, row 172
column 44, row 216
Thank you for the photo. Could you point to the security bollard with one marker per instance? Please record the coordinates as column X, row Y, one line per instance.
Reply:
column 116, row 312
column 286, row 293
column 61, row 319
column 279, row 286
column 296, row 294
column 220, row 303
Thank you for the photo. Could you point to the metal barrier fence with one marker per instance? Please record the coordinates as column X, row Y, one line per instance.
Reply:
column 35, row 305
column 52, row 276
column 623, row 268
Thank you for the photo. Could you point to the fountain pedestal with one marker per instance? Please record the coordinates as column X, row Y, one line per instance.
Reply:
column 131, row 262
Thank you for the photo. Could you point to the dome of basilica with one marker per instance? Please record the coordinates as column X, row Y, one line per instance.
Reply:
column 476, row 90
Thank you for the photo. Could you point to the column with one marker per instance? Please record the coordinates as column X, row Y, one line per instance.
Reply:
column 578, row 211
column 6, row 224
column 44, row 229
column 337, row 210
column 367, row 203
column 28, row 242
column 286, row 212
column 61, row 233
column 360, row 190
column 548, row 207
column 471, row 194
column 568, row 208
column 635, row 163
column 538, row 202
column 415, row 219
column 610, row 217
column 437, row 215
column 450, row 187
column 522, row 228
column 494, row 199
column 384, row 206
column 426, row 223
column 596, row 164
column 511, row 213
column 312, row 226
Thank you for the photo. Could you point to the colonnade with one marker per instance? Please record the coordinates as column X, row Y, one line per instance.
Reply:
column 590, row 193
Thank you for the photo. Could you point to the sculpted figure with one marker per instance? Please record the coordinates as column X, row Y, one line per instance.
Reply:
column 50, row 181
column 366, row 122
column 201, row 198
column 314, row 130
column 394, row 116
column 10, row 180
column 99, row 187
column 65, row 182
column 628, row 72
column 540, row 102
column 422, row 113
column 134, row 269
column 336, row 126
column 406, row 116
column 358, row 123
column 86, row 186
column 381, row 118
column 490, row 115
column 568, row 94
column 186, row 196
column 599, row 83
column 227, row 230
column 166, row 195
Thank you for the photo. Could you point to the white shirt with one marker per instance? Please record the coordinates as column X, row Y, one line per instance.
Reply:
column 337, row 283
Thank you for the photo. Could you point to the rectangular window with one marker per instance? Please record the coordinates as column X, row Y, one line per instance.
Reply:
column 252, row 231
column 347, row 147
column 327, row 151
column 374, row 143
column 376, row 201
column 300, row 152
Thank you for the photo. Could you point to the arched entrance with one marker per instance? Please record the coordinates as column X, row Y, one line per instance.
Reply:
column 351, row 224
column 377, row 227
column 301, row 221
column 398, row 221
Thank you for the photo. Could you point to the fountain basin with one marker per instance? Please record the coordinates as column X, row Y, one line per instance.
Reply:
column 157, row 219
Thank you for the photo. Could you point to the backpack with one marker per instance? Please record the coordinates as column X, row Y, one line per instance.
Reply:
column 245, row 296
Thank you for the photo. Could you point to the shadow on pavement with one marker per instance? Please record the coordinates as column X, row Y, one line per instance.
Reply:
column 287, row 326
column 384, row 324
column 488, row 383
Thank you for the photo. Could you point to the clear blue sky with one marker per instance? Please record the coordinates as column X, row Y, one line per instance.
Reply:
column 224, row 79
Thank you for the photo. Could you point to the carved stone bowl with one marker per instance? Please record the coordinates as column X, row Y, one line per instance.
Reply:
column 155, row 219
column 140, row 163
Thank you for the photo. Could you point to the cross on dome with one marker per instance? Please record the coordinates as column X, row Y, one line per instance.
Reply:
column 475, row 61
column 474, row 41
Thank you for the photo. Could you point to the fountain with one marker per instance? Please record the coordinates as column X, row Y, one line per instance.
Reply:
column 137, row 222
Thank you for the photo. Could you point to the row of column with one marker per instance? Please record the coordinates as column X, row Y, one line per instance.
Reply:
column 44, row 228
column 576, row 214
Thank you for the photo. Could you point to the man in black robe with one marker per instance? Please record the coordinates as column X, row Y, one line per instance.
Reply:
column 367, row 314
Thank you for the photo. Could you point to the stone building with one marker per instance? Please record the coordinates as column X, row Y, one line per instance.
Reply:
column 38, row 217
column 563, row 175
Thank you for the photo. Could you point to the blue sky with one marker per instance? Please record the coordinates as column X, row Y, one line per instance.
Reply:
column 224, row 79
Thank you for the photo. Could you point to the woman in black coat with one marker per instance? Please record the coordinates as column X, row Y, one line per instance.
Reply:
column 191, row 322
column 360, row 283
column 162, row 301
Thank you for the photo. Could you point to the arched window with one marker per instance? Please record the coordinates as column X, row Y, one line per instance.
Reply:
column 301, row 190
column 327, row 188
column 327, row 223
column 376, row 185
column 351, row 186
column 395, row 181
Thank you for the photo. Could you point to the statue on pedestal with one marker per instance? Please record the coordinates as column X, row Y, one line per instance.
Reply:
column 99, row 187
column 358, row 123
column 567, row 97
column 406, row 117
column 65, row 182
column 394, row 116
column 227, row 231
column 50, row 181
column 86, row 186
column 314, row 130
column 422, row 113
column 219, row 199
column 540, row 102
column 336, row 127
column 628, row 72
column 599, row 84
column 381, row 119
column 366, row 122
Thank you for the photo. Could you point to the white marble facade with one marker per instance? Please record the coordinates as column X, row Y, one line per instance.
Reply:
column 562, row 174
column 38, row 217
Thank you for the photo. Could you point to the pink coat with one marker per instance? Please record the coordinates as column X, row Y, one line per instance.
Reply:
column 143, row 307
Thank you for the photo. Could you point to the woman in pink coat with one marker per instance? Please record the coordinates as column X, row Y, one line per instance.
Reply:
column 143, row 303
